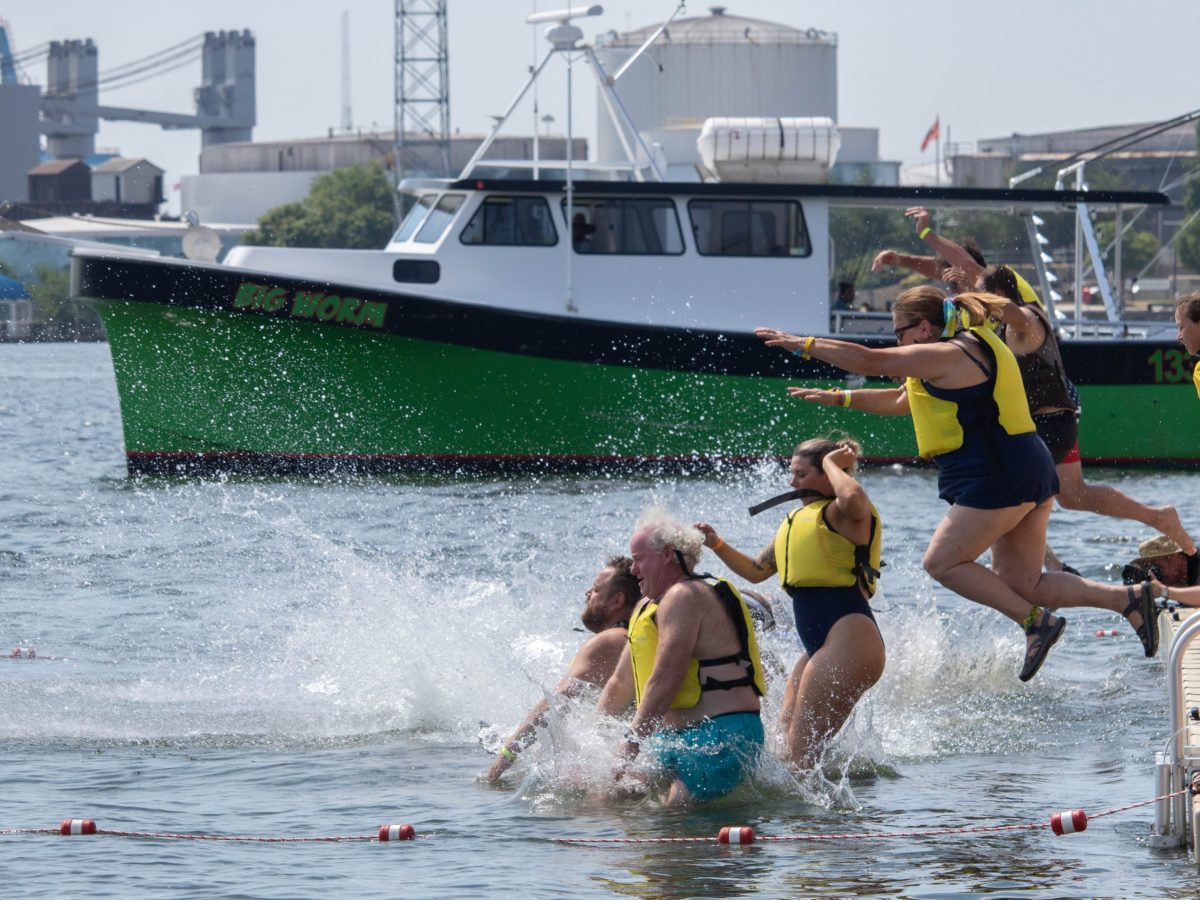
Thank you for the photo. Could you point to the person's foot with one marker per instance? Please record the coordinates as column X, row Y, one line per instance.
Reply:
column 1168, row 522
column 1039, row 638
column 1141, row 604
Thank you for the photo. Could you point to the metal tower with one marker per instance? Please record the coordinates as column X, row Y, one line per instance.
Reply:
column 422, row 89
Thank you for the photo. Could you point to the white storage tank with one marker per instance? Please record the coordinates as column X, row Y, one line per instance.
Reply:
column 768, row 150
column 718, row 65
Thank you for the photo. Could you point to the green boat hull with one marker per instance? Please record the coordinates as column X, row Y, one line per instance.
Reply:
column 231, row 387
column 206, row 384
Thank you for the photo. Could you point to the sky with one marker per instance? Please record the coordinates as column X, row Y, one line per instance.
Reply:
column 986, row 70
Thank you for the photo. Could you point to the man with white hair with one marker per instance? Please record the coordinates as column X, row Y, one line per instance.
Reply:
column 692, row 666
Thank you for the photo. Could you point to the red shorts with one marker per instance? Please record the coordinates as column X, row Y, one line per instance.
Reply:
column 1072, row 455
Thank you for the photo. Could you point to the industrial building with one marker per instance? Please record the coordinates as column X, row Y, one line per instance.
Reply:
column 68, row 111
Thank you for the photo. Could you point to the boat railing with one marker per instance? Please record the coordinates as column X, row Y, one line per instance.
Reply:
column 869, row 324
column 1175, row 764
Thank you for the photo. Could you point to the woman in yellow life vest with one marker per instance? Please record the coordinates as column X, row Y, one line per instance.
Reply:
column 971, row 416
column 826, row 553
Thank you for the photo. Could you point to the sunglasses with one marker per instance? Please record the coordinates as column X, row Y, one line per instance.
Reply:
column 903, row 328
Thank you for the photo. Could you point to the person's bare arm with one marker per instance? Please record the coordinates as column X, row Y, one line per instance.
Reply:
column 923, row 265
column 755, row 570
column 850, row 513
column 618, row 691
column 678, row 631
column 929, row 361
column 945, row 248
column 593, row 664
column 878, row 401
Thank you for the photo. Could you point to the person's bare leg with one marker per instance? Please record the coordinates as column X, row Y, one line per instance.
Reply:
column 679, row 795
column 961, row 538
column 837, row 675
column 1075, row 493
column 1011, row 559
column 790, row 689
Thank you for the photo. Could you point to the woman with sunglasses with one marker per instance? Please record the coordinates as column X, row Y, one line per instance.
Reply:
column 967, row 401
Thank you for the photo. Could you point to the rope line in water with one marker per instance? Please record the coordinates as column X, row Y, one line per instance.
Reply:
column 69, row 827
column 1067, row 822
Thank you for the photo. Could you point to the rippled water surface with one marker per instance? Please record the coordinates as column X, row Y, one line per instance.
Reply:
column 292, row 659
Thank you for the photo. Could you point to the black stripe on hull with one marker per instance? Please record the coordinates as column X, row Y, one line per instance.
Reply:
column 572, row 339
column 205, row 465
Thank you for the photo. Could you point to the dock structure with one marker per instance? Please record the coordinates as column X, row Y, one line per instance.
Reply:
column 1177, row 819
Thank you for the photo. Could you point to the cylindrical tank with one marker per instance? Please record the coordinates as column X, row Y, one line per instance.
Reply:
column 718, row 65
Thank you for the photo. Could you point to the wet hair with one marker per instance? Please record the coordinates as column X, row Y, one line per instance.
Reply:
column 927, row 303
column 664, row 529
column 1190, row 304
column 814, row 450
column 623, row 579
column 973, row 251
column 1002, row 281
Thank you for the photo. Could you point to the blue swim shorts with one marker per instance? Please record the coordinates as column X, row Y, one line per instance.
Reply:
column 713, row 756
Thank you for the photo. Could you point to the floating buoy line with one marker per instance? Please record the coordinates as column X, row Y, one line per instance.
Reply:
column 1060, row 823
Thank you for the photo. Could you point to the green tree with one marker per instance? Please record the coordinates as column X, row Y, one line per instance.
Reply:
column 1137, row 248
column 58, row 316
column 347, row 208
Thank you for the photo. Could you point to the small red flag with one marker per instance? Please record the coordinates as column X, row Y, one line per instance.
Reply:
column 932, row 133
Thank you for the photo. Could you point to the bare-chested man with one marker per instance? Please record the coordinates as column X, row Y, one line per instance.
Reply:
column 692, row 665
column 609, row 602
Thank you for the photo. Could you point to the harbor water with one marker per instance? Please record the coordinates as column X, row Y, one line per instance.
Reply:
column 315, row 658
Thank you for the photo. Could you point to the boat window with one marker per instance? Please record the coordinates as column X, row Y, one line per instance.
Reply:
column 749, row 228
column 440, row 218
column 415, row 217
column 511, row 221
column 627, row 225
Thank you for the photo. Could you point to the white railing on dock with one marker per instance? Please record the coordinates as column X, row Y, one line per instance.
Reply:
column 1172, row 824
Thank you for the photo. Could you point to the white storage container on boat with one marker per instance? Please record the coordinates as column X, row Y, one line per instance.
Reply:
column 791, row 149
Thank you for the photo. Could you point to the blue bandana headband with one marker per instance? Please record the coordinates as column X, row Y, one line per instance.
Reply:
column 951, row 316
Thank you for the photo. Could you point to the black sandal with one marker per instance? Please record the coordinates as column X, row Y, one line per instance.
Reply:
column 1045, row 633
column 1143, row 604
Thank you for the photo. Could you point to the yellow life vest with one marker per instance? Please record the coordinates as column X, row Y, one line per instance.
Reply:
column 1028, row 294
column 643, row 645
column 808, row 553
column 936, row 420
column 1196, row 378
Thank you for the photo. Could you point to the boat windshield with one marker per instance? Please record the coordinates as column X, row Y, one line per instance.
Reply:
column 415, row 217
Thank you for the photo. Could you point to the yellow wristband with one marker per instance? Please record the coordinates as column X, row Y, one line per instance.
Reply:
column 718, row 545
column 507, row 753
column 924, row 232
column 846, row 398
column 806, row 350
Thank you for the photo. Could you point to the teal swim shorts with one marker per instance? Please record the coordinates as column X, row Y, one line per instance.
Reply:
column 713, row 756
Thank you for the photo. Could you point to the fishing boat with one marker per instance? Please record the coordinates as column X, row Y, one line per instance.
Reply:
column 566, row 318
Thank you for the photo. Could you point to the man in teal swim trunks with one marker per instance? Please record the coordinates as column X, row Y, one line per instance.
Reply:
column 692, row 666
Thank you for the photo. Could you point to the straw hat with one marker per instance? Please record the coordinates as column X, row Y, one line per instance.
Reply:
column 1157, row 546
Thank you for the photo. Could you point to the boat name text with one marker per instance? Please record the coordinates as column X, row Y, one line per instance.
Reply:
column 310, row 305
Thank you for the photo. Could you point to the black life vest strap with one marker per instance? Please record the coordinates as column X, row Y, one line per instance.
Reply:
column 734, row 609
column 802, row 494
column 862, row 559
